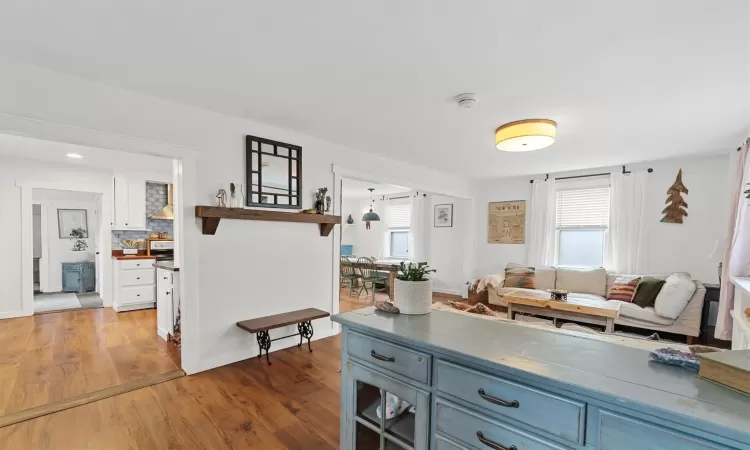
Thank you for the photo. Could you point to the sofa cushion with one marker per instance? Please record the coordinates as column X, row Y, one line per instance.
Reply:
column 648, row 289
column 624, row 289
column 544, row 275
column 648, row 314
column 520, row 277
column 612, row 276
column 674, row 295
column 586, row 281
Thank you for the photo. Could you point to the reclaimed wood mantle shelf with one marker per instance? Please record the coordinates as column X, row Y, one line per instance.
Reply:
column 212, row 215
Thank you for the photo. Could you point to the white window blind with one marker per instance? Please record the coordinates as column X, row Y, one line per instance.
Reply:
column 399, row 215
column 583, row 208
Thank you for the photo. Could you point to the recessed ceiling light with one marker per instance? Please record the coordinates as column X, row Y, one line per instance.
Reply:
column 74, row 156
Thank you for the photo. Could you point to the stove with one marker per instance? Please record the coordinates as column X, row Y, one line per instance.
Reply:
column 162, row 249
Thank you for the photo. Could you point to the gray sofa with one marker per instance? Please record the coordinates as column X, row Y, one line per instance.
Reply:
column 593, row 284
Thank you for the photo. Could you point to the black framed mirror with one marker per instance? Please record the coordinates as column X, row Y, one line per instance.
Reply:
column 274, row 173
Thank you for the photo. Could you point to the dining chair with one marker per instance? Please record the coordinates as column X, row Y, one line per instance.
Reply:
column 369, row 274
column 348, row 273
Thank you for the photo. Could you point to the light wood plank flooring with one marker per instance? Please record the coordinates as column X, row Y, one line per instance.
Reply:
column 292, row 404
column 52, row 357
column 347, row 303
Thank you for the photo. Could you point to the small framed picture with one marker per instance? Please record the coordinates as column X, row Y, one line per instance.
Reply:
column 444, row 215
column 72, row 219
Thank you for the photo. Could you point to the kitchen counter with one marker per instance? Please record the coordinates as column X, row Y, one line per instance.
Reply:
column 126, row 257
column 619, row 398
column 166, row 265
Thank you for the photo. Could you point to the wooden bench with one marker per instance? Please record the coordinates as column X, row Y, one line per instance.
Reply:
column 262, row 325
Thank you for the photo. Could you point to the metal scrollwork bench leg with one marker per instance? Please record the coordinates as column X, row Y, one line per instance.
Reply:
column 264, row 343
column 305, row 331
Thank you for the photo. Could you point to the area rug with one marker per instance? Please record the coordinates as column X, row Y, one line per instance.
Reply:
column 55, row 302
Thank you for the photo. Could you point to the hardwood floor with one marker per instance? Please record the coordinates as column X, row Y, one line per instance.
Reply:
column 347, row 303
column 293, row 404
column 52, row 357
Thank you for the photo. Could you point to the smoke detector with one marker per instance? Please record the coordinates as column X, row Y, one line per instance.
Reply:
column 466, row 100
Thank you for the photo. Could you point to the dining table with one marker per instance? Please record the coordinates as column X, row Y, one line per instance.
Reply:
column 391, row 266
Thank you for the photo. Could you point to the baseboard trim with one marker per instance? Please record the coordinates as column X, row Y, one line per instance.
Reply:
column 446, row 292
column 13, row 314
column 251, row 351
column 84, row 399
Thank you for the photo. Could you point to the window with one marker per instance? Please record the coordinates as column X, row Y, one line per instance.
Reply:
column 582, row 222
column 398, row 216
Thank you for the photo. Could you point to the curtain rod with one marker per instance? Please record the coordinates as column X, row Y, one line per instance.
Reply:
column 405, row 196
column 590, row 175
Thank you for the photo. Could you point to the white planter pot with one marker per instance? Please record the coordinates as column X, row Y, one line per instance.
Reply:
column 413, row 297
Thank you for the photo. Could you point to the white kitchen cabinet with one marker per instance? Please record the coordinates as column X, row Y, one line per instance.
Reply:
column 130, row 203
column 134, row 284
column 167, row 300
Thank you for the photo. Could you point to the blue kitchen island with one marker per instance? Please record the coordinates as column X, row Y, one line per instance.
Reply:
column 467, row 383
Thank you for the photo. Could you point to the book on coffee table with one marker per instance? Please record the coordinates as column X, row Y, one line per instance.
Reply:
column 731, row 369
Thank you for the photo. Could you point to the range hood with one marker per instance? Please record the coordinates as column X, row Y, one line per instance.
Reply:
column 166, row 213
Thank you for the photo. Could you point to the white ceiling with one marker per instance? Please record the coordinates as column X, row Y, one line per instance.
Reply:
column 358, row 189
column 626, row 80
column 95, row 158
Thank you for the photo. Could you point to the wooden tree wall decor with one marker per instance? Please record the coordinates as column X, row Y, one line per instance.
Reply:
column 676, row 206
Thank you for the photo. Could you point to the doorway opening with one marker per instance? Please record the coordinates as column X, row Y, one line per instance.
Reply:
column 66, row 228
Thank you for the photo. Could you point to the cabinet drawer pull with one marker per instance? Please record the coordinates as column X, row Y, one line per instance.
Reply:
column 497, row 401
column 381, row 357
column 493, row 445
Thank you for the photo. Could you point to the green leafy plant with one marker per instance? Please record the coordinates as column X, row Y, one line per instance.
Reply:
column 413, row 272
column 77, row 235
column 747, row 192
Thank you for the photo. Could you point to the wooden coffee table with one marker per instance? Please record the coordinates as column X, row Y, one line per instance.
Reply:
column 574, row 309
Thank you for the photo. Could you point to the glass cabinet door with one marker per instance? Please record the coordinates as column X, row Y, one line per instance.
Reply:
column 386, row 414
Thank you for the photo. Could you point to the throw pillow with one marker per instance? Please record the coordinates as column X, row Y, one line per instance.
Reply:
column 647, row 291
column 481, row 309
column 520, row 277
column 624, row 289
column 674, row 296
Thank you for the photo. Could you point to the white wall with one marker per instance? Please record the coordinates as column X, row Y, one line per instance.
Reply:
column 446, row 245
column 244, row 270
column 37, row 212
column 366, row 242
column 59, row 250
column 696, row 246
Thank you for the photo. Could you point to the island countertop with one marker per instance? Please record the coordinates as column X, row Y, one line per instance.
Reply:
column 588, row 367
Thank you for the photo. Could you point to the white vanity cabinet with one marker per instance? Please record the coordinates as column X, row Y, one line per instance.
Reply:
column 134, row 284
column 130, row 203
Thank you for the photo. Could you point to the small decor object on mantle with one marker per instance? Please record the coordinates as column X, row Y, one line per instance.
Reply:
column 443, row 215
column 350, row 220
column 322, row 203
column 222, row 196
column 506, row 222
column 412, row 290
column 676, row 207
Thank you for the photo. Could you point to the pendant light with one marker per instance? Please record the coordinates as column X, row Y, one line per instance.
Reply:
column 370, row 216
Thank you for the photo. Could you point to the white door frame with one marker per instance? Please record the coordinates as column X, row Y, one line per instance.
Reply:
column 185, row 199
column 341, row 172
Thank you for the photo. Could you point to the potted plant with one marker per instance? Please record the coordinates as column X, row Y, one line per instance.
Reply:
column 412, row 291
column 77, row 235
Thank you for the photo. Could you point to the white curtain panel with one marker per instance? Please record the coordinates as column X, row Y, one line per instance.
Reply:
column 417, row 229
column 626, row 217
column 737, row 252
column 541, row 233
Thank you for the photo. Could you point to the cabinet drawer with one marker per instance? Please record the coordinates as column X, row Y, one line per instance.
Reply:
column 135, row 264
column 542, row 410
column 137, row 294
column 616, row 432
column 471, row 429
column 137, row 277
column 401, row 360
column 441, row 443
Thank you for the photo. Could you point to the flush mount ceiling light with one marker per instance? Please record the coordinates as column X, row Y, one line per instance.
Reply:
column 74, row 156
column 525, row 135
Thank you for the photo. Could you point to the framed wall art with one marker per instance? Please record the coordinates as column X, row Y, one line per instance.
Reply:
column 506, row 222
column 443, row 215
